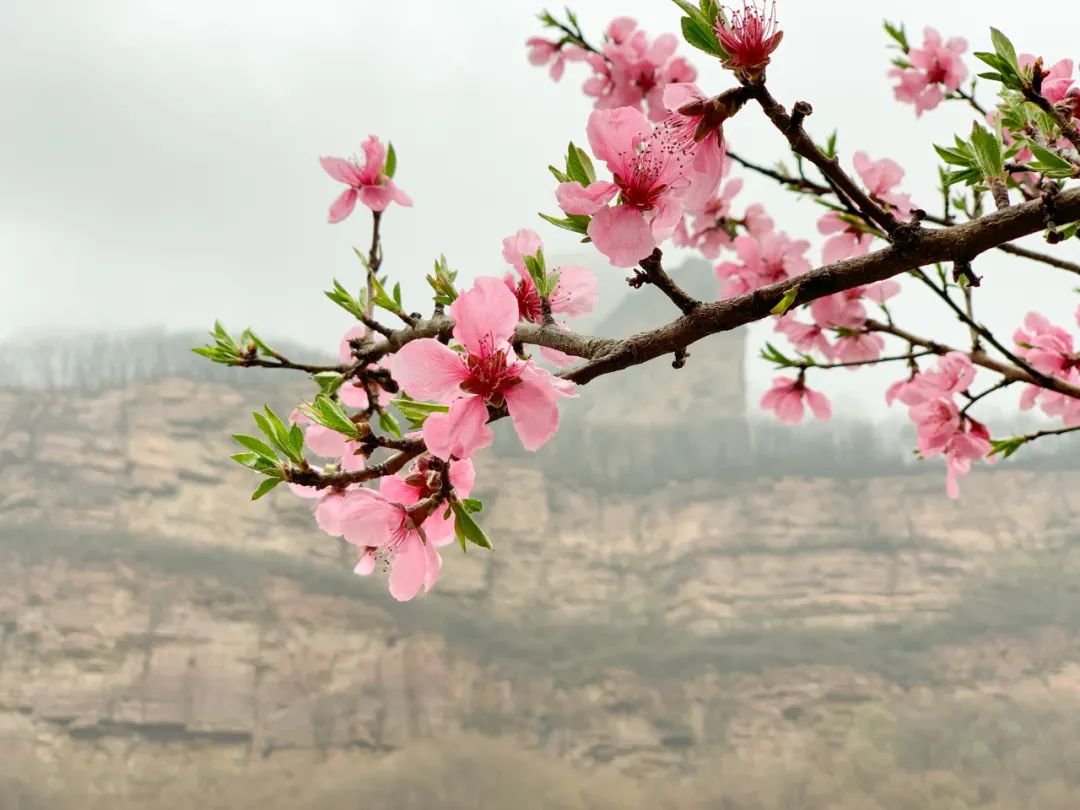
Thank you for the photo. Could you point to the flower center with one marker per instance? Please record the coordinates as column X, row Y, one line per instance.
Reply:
column 490, row 374
column 529, row 307
column 936, row 74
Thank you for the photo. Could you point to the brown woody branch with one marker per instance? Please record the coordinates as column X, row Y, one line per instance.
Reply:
column 1045, row 258
column 801, row 144
column 652, row 272
column 818, row 190
column 924, row 247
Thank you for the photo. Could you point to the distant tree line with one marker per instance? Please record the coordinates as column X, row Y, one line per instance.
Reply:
column 97, row 361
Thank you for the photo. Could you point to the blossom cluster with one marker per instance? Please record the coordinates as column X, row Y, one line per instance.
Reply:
column 667, row 175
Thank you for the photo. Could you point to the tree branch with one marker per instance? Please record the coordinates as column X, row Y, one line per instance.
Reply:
column 654, row 273
column 980, row 358
column 801, row 144
column 1036, row 256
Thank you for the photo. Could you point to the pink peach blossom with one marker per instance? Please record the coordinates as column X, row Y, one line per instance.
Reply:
column 766, row 259
column 933, row 66
column 382, row 528
column 786, row 398
column 649, row 172
column 685, row 129
column 632, row 71
column 847, row 242
column 367, row 182
column 858, row 348
column 1058, row 79
column 487, row 373
column 1046, row 347
column 542, row 51
column 805, row 337
column 880, row 178
column 749, row 38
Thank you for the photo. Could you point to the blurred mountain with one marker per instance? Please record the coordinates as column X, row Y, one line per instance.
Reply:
column 667, row 583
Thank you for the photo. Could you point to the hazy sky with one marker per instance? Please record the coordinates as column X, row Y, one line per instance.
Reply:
column 160, row 156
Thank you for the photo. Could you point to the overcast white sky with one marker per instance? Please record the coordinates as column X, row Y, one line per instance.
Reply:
column 160, row 156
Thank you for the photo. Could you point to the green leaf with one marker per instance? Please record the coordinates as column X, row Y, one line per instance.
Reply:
column 559, row 175
column 259, row 447
column 1004, row 48
column 688, row 8
column 898, row 34
column 417, row 412
column 280, row 437
column 830, row 147
column 987, row 150
column 772, row 354
column 701, row 37
column 389, row 424
column 329, row 381
column 467, row 529
column 954, row 157
column 1050, row 159
column 296, row 440
column 391, row 161
column 265, row 487
column 250, row 337
column 329, row 413
column 253, row 461
column 578, row 223
column 1006, row 447
column 575, row 170
column 473, row 504
column 223, row 339
column 786, row 301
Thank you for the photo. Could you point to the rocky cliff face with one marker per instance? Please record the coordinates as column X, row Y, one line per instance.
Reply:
column 151, row 615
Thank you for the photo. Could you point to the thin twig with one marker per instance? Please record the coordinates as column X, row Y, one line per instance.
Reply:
column 1005, row 383
column 801, row 144
column 980, row 358
column 981, row 330
column 1035, row 256
column 652, row 272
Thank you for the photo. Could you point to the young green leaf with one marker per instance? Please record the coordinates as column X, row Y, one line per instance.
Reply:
column 1004, row 49
column 330, row 414
column 785, row 303
column 702, row 37
column 391, row 161
column 265, row 487
column 467, row 529
column 898, row 35
column 389, row 424
column 1006, row 447
column 261, row 448
column 578, row 223
column 986, row 147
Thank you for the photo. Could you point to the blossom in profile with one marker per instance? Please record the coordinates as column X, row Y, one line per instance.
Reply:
column 574, row 295
column 749, row 37
column 787, row 396
column 367, row 181
column 543, row 51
